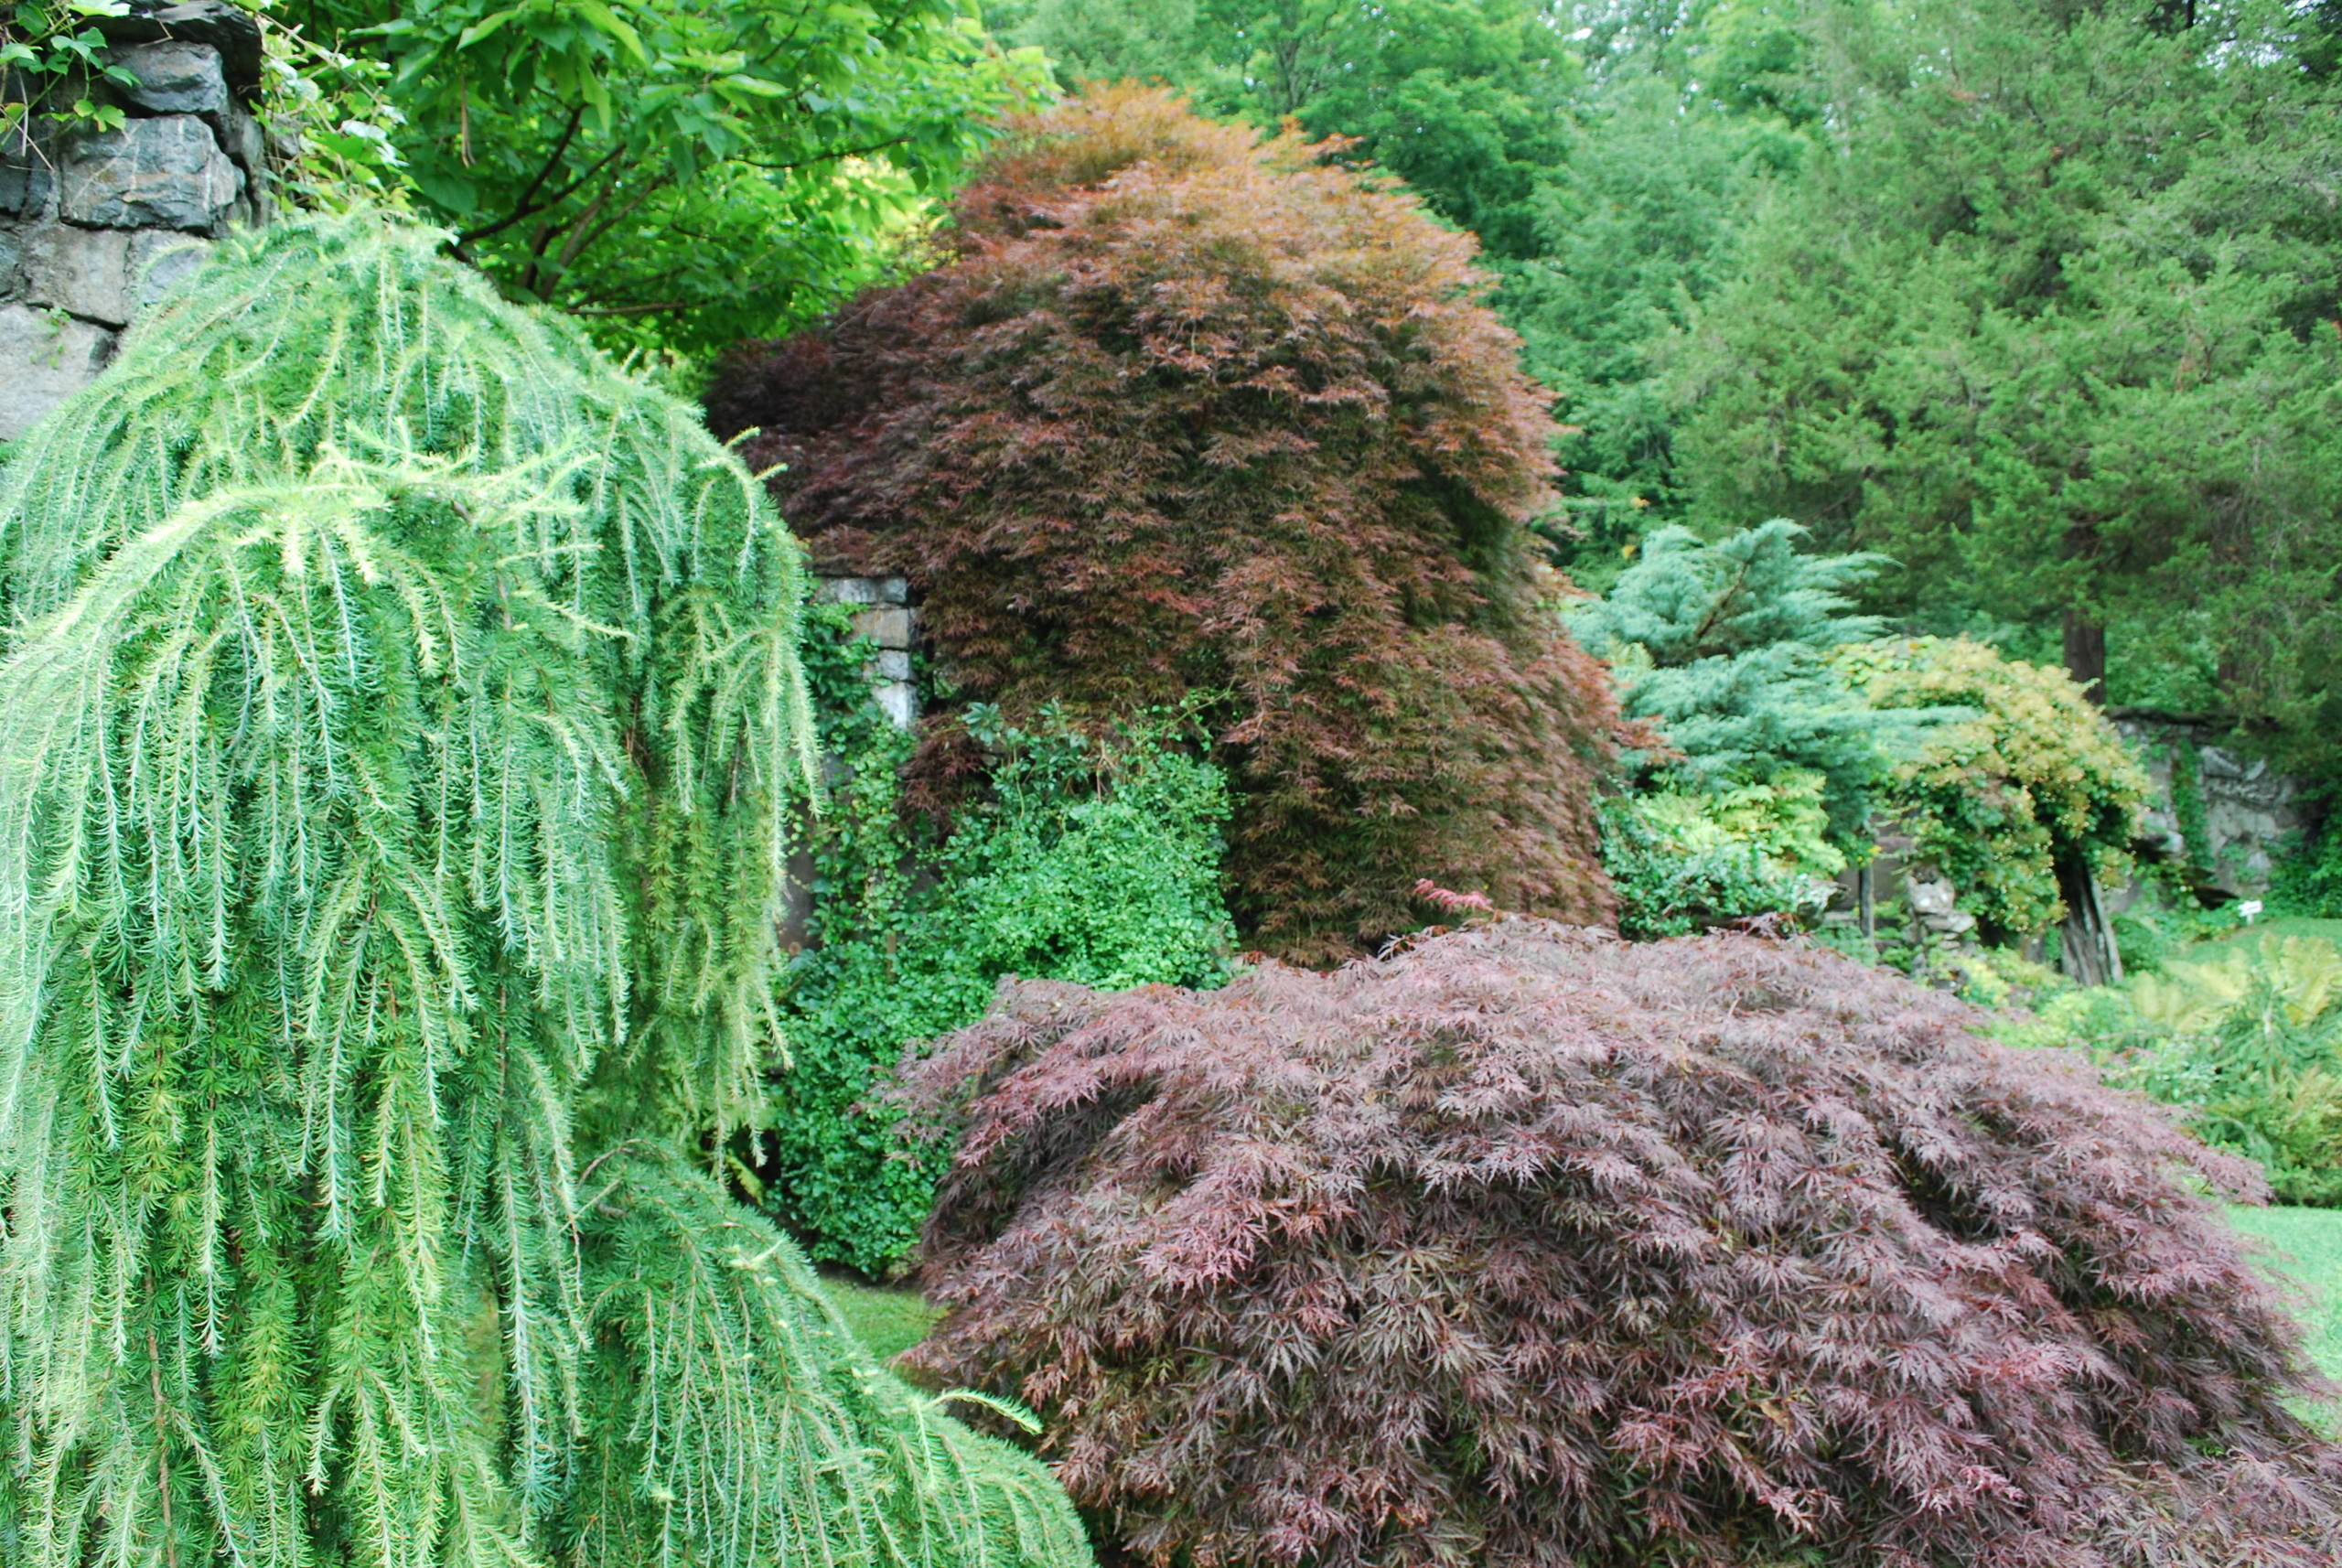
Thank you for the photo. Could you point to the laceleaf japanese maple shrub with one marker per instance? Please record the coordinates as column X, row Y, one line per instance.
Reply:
column 1526, row 1245
column 1187, row 412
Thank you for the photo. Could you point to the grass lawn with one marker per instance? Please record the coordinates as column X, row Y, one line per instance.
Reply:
column 2282, row 926
column 887, row 1322
column 2306, row 1245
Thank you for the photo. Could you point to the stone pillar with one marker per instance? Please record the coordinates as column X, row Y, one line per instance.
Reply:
column 96, row 223
column 885, row 617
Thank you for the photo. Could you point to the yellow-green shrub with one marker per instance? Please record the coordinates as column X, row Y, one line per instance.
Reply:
column 1996, row 800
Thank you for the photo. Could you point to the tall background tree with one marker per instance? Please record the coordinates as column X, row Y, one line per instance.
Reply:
column 2039, row 300
column 2051, row 319
column 680, row 173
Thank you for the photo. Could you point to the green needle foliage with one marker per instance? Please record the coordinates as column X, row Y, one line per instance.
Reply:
column 395, row 745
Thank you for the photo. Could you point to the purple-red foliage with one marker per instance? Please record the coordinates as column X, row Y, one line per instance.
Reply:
column 1528, row 1246
column 1182, row 415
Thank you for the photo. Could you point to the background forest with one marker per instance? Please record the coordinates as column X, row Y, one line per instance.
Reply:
column 2039, row 300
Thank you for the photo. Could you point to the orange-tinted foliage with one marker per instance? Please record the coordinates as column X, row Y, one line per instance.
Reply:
column 1530, row 1248
column 1183, row 412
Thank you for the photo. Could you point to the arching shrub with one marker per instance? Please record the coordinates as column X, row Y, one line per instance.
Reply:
column 1186, row 412
column 395, row 745
column 1528, row 1246
column 2032, row 786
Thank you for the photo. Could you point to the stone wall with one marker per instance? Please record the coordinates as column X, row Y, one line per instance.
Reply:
column 96, row 223
column 2250, row 808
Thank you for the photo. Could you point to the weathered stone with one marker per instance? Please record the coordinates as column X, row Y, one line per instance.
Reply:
column 1935, row 904
column 27, row 181
column 241, row 137
column 159, row 259
column 12, row 261
column 898, row 700
column 888, row 626
column 47, row 357
column 845, row 590
column 173, row 78
column 230, row 29
column 163, row 173
column 2250, row 810
column 893, row 664
column 85, row 271
column 828, row 590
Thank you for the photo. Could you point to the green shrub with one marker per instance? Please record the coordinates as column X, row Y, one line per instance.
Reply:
column 1095, row 861
column 1685, row 860
column 2308, row 879
column 2033, row 776
column 1725, row 648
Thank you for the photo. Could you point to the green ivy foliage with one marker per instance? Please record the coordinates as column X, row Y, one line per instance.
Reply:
column 55, row 60
column 1095, row 861
column 2033, row 774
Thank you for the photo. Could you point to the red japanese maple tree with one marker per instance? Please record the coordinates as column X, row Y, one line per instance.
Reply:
column 1187, row 417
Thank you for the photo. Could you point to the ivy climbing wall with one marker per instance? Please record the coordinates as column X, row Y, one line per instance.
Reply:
column 96, row 219
column 2222, row 815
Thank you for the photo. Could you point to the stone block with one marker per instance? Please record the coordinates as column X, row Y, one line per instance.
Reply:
column 159, row 259
column 893, row 664
column 242, row 139
column 845, row 590
column 898, row 700
column 28, row 184
column 173, row 78
column 12, row 261
column 45, row 357
column 163, row 173
column 230, row 29
column 889, row 626
column 85, row 271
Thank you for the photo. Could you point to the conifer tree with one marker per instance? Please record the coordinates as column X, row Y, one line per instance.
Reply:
column 1725, row 647
column 394, row 743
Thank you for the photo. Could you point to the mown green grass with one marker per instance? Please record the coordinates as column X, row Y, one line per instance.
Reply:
column 2304, row 1245
column 887, row 1321
column 2279, row 926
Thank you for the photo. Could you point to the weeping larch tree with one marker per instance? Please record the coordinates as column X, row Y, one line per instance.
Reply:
column 397, row 729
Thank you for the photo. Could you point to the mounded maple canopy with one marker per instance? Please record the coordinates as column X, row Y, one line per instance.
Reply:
column 1527, row 1246
column 1189, row 417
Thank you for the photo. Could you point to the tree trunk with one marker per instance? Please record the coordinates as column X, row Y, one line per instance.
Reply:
column 2086, row 653
column 2086, row 950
